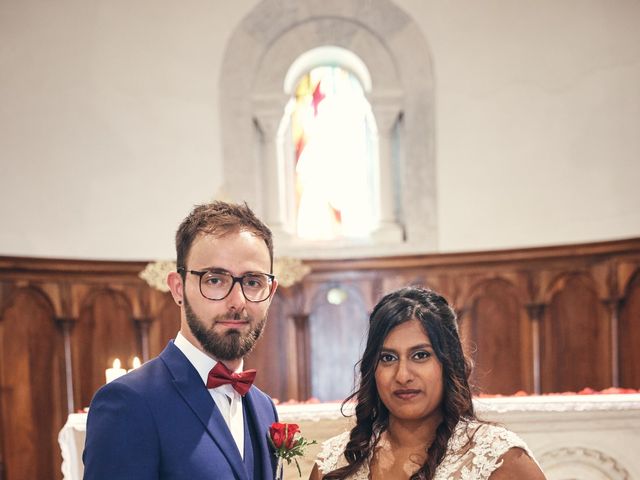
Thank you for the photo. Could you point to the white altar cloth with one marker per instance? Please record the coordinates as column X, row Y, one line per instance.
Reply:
column 590, row 437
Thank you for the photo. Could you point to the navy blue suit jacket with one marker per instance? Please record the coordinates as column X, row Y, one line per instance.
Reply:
column 160, row 422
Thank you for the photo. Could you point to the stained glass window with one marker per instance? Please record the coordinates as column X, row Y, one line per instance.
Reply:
column 335, row 156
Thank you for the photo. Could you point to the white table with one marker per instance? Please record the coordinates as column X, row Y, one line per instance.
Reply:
column 590, row 437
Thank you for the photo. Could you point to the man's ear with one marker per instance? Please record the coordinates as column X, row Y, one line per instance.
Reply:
column 275, row 287
column 174, row 280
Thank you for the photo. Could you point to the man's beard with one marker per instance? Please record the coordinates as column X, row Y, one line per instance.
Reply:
column 230, row 345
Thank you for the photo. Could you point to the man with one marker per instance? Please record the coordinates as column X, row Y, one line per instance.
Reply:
column 191, row 413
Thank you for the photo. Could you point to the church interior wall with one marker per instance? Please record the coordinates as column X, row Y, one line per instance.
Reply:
column 110, row 126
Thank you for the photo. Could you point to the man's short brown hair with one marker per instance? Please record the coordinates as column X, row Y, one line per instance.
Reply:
column 219, row 219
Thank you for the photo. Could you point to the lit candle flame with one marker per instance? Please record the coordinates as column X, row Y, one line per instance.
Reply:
column 116, row 363
column 136, row 362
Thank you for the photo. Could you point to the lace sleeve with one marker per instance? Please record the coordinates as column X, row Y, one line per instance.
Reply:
column 482, row 456
column 331, row 453
column 496, row 441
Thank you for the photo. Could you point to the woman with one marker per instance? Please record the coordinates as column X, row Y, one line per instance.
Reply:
column 414, row 414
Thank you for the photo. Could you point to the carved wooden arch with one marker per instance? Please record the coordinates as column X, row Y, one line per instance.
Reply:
column 31, row 290
column 559, row 283
column 123, row 299
column 633, row 282
column 480, row 288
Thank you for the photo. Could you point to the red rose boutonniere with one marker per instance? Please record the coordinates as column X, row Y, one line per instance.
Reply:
column 288, row 444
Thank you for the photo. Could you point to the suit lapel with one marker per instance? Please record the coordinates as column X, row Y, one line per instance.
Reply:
column 261, row 421
column 189, row 385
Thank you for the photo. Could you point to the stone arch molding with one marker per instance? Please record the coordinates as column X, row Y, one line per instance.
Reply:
column 252, row 100
column 571, row 463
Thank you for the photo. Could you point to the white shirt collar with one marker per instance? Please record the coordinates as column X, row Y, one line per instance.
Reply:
column 202, row 362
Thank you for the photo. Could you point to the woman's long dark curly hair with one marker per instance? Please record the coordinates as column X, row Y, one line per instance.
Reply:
column 439, row 321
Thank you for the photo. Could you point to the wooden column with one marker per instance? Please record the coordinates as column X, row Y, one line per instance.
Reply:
column 300, row 373
column 143, row 324
column 536, row 312
column 613, row 306
column 67, row 324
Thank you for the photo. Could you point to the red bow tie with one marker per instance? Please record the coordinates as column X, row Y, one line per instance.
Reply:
column 221, row 375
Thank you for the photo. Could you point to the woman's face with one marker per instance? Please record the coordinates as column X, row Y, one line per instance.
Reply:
column 409, row 375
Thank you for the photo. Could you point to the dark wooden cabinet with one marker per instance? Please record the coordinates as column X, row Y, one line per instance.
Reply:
column 540, row 320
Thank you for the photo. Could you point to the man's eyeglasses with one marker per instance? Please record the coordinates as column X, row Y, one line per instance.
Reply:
column 217, row 284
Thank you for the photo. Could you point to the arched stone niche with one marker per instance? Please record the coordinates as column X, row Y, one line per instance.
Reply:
column 571, row 463
column 252, row 90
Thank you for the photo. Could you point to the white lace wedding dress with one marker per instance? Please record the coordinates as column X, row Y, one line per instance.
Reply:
column 475, row 461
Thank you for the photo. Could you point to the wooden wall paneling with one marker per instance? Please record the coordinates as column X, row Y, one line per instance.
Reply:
column 165, row 323
column 626, row 270
column 376, row 291
column 273, row 354
column 299, row 370
column 502, row 336
column 296, row 334
column 7, row 289
column 394, row 280
column 298, row 342
column 139, row 297
column 535, row 315
column 4, row 297
column 104, row 304
column 337, row 338
column 448, row 285
column 369, row 289
column 415, row 278
column 31, row 386
column 105, row 331
column 535, row 308
column 462, row 302
column 576, row 337
column 365, row 281
column 629, row 335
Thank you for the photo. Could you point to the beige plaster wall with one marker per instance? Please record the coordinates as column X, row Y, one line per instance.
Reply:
column 109, row 126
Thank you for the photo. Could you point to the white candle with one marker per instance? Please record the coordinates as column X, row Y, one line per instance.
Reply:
column 136, row 363
column 115, row 372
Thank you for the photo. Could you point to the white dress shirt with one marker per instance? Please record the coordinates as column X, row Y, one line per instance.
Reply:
column 228, row 401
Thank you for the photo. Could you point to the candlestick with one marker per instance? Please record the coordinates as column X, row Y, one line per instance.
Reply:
column 115, row 372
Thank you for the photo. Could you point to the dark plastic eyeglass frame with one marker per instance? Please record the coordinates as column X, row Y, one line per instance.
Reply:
column 201, row 273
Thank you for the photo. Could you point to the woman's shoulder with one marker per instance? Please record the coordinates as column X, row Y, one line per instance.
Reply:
column 476, row 449
column 485, row 437
column 498, row 437
column 331, row 451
